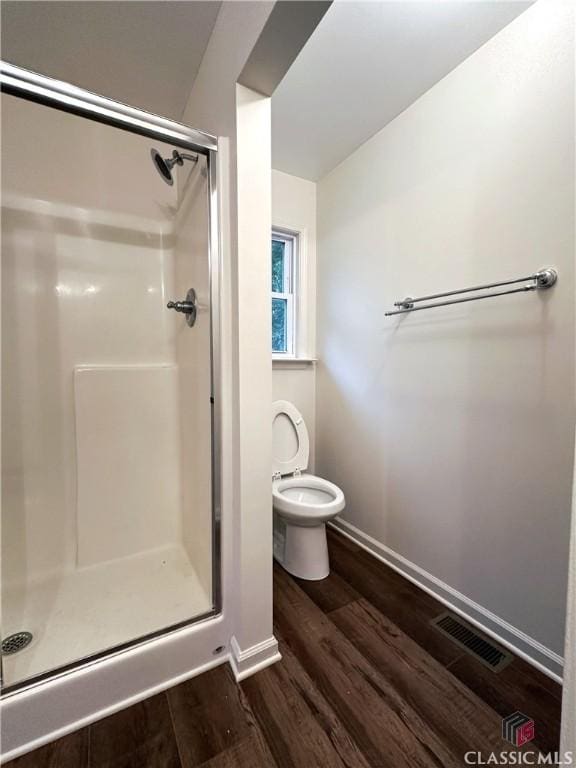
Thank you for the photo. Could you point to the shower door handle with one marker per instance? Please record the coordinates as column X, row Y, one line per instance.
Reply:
column 188, row 307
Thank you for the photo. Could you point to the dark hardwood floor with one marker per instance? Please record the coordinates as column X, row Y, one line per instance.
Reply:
column 364, row 681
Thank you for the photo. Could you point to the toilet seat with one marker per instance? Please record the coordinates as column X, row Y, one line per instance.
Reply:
column 299, row 461
column 307, row 500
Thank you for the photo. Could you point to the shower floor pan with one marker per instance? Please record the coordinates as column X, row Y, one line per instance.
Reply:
column 84, row 612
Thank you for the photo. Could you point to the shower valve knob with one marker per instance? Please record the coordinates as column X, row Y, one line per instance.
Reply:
column 188, row 307
column 181, row 306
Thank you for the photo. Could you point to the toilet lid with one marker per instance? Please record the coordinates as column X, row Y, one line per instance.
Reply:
column 290, row 444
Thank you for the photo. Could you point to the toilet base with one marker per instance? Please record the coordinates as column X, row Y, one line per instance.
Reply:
column 304, row 553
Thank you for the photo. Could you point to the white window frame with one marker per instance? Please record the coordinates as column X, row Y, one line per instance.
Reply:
column 290, row 290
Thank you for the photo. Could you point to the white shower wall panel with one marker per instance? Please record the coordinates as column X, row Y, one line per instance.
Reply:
column 192, row 350
column 75, row 293
column 127, row 461
column 87, row 268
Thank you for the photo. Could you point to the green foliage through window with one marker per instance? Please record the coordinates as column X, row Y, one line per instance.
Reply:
column 283, row 270
column 279, row 323
column 278, row 266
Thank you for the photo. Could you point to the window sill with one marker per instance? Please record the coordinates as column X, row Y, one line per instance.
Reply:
column 293, row 362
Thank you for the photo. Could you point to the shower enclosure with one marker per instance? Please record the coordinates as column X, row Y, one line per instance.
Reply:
column 109, row 421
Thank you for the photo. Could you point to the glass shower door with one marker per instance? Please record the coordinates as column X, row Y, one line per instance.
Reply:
column 107, row 513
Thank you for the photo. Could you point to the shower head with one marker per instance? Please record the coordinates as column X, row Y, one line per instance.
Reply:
column 164, row 165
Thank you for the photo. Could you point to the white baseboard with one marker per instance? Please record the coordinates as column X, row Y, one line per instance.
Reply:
column 518, row 642
column 251, row 660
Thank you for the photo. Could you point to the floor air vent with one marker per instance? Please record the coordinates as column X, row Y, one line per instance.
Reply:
column 473, row 642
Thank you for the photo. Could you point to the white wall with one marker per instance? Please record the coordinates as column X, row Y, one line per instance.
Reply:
column 451, row 431
column 250, row 43
column 294, row 208
column 241, row 120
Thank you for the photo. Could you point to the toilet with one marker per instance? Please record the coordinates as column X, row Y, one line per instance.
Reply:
column 302, row 503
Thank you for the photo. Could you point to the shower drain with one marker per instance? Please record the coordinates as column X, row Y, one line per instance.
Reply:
column 16, row 642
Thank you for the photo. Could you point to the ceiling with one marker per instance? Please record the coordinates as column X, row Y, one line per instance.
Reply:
column 367, row 62
column 145, row 54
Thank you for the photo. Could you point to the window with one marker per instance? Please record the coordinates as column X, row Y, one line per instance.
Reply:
column 284, row 254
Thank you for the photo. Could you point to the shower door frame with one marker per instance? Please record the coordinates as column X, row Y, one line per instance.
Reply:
column 65, row 97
